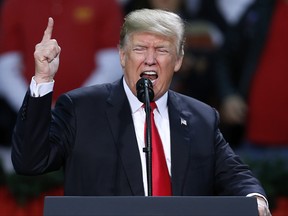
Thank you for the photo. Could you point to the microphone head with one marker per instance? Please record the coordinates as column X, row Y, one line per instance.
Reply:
column 140, row 87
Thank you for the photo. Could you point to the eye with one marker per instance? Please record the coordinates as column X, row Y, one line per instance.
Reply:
column 139, row 49
column 162, row 50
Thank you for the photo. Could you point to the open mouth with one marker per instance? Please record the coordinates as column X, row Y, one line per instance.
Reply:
column 152, row 75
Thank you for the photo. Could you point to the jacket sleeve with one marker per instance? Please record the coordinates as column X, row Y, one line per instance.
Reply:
column 40, row 138
column 233, row 176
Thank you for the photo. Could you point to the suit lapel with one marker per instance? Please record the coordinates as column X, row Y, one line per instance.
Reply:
column 124, row 135
column 180, row 139
column 122, row 127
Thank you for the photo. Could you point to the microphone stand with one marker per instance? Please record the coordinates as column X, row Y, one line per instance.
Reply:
column 148, row 139
column 145, row 93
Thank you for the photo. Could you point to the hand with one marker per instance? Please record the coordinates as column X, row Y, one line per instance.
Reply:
column 233, row 110
column 263, row 209
column 46, row 56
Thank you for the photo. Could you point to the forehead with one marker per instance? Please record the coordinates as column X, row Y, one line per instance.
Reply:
column 151, row 39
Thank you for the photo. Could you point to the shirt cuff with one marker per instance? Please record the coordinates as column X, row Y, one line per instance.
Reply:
column 41, row 89
column 259, row 195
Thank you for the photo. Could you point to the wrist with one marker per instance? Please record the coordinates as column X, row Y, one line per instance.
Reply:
column 43, row 79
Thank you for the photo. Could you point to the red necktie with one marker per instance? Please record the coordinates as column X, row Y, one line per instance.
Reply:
column 161, row 184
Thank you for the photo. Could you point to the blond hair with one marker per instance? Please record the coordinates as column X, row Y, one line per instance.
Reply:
column 155, row 21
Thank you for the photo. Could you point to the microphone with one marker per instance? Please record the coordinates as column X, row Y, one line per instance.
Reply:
column 145, row 91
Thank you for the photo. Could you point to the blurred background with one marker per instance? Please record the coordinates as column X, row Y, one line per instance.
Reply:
column 236, row 60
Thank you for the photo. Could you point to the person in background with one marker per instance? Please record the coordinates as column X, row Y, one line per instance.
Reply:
column 267, row 122
column 97, row 133
column 87, row 31
column 236, row 62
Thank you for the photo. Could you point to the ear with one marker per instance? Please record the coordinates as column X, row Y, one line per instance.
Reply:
column 122, row 55
column 178, row 63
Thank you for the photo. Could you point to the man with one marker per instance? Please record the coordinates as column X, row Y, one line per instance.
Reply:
column 97, row 133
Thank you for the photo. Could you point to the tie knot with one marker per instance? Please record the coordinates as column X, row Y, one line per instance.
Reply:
column 153, row 105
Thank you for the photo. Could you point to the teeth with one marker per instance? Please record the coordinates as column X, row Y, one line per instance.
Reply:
column 152, row 75
column 149, row 73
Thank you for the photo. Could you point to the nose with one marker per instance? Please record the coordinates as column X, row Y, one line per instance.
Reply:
column 150, row 58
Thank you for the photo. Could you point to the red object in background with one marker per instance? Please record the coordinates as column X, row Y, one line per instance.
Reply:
column 9, row 206
column 82, row 29
column 268, row 104
column 281, row 207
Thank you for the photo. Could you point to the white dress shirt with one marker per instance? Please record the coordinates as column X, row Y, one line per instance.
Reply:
column 162, row 124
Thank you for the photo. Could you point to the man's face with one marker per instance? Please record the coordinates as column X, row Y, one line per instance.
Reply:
column 151, row 56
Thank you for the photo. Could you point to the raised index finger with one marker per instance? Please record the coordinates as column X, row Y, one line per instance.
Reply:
column 49, row 29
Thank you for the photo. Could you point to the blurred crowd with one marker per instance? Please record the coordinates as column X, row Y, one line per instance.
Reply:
column 236, row 60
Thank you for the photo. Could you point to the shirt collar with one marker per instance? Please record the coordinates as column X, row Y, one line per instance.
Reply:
column 135, row 104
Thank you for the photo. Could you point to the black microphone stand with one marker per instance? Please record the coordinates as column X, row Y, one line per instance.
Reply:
column 145, row 94
column 148, row 141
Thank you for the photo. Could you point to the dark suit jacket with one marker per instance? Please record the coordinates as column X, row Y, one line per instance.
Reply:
column 91, row 135
column 237, row 61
